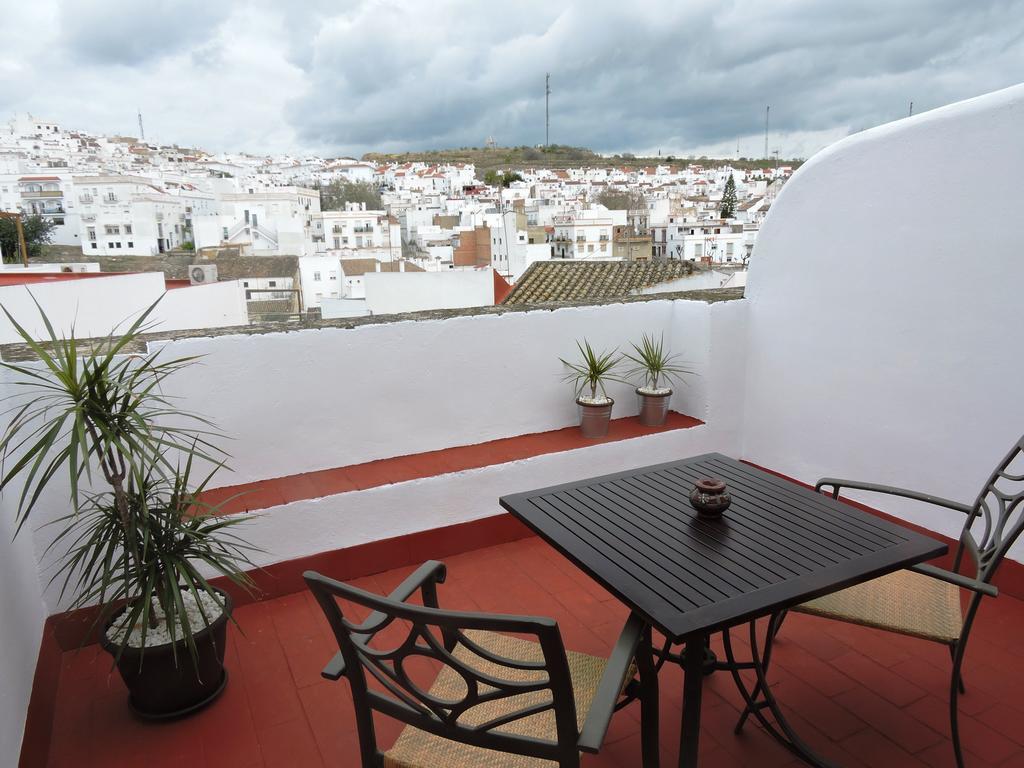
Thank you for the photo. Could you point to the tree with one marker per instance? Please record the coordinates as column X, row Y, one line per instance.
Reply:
column 334, row 195
column 38, row 232
column 622, row 200
column 728, row 209
column 501, row 179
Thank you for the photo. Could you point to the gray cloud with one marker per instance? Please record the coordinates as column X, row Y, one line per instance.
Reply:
column 129, row 33
column 348, row 77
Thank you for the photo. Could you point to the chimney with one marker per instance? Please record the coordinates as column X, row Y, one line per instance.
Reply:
column 401, row 265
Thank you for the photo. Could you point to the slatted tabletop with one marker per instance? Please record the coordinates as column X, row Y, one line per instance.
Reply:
column 779, row 544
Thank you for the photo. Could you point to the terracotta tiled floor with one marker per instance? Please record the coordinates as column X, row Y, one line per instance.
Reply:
column 862, row 697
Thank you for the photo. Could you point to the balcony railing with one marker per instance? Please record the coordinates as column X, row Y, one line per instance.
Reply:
column 41, row 193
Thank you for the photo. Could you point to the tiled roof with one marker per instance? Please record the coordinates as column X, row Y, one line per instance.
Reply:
column 560, row 281
column 230, row 266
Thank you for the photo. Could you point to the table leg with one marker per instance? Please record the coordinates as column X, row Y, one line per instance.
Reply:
column 693, row 684
column 761, row 699
column 649, row 720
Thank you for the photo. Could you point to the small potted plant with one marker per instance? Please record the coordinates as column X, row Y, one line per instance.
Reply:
column 131, row 549
column 589, row 376
column 657, row 367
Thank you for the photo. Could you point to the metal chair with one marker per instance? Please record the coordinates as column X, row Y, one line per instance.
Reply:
column 498, row 699
column 924, row 601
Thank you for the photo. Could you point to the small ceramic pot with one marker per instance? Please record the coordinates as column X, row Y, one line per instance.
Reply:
column 594, row 418
column 710, row 497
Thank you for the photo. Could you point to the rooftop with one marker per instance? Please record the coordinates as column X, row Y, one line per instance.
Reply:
column 861, row 697
column 577, row 280
column 374, row 444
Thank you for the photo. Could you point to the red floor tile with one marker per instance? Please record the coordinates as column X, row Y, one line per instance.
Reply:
column 852, row 697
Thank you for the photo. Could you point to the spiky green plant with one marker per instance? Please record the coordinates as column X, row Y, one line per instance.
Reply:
column 654, row 363
column 593, row 369
column 84, row 408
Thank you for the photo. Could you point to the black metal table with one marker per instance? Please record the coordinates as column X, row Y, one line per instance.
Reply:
column 778, row 545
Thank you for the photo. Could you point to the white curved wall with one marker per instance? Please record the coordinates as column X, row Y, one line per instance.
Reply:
column 884, row 302
column 22, row 615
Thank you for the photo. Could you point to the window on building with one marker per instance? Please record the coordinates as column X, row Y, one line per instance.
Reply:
column 225, row 234
column 272, row 283
column 245, row 283
column 112, row 229
column 91, row 232
column 128, row 229
column 93, row 245
column 117, row 244
column 131, row 244
column 332, row 276
column 337, row 242
column 59, row 221
column 316, row 276
column 110, row 245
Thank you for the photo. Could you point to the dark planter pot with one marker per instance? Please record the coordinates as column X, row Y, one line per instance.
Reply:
column 160, row 687
column 653, row 408
column 594, row 418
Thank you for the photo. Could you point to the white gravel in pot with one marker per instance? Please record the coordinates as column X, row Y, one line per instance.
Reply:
column 161, row 635
column 649, row 391
column 599, row 400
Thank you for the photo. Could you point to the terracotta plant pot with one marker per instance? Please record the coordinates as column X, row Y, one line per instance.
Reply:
column 653, row 408
column 162, row 687
column 594, row 418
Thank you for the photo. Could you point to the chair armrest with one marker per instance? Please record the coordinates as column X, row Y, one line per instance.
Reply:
column 610, row 688
column 836, row 484
column 955, row 578
column 426, row 578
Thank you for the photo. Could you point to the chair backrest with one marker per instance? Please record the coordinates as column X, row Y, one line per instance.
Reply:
column 396, row 634
column 997, row 518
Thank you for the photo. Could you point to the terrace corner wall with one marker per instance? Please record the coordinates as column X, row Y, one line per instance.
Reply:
column 22, row 615
column 884, row 305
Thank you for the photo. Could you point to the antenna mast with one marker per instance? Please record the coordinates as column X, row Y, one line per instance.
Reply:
column 911, row 110
column 547, row 119
column 142, row 132
column 767, row 111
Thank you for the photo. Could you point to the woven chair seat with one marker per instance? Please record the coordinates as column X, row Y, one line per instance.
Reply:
column 418, row 749
column 905, row 602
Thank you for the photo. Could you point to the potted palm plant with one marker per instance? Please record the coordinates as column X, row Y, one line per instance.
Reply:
column 657, row 368
column 589, row 375
column 136, row 533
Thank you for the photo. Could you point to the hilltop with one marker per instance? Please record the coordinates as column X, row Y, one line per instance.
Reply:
column 559, row 156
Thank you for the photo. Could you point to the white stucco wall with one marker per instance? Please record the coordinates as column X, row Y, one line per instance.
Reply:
column 292, row 404
column 885, row 339
column 97, row 305
column 22, row 614
column 391, row 292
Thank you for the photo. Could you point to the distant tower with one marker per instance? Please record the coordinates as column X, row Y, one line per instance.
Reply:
column 142, row 132
column 489, row 142
column 767, row 111
column 547, row 113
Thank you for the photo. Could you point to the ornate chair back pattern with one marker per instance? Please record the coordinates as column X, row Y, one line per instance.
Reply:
column 399, row 635
column 997, row 517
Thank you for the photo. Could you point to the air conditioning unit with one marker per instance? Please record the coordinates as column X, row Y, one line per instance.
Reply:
column 201, row 274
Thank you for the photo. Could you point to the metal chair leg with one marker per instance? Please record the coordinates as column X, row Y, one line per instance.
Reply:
column 954, row 711
column 959, row 675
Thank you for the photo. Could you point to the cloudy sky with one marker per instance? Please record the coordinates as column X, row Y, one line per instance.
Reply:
column 336, row 77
